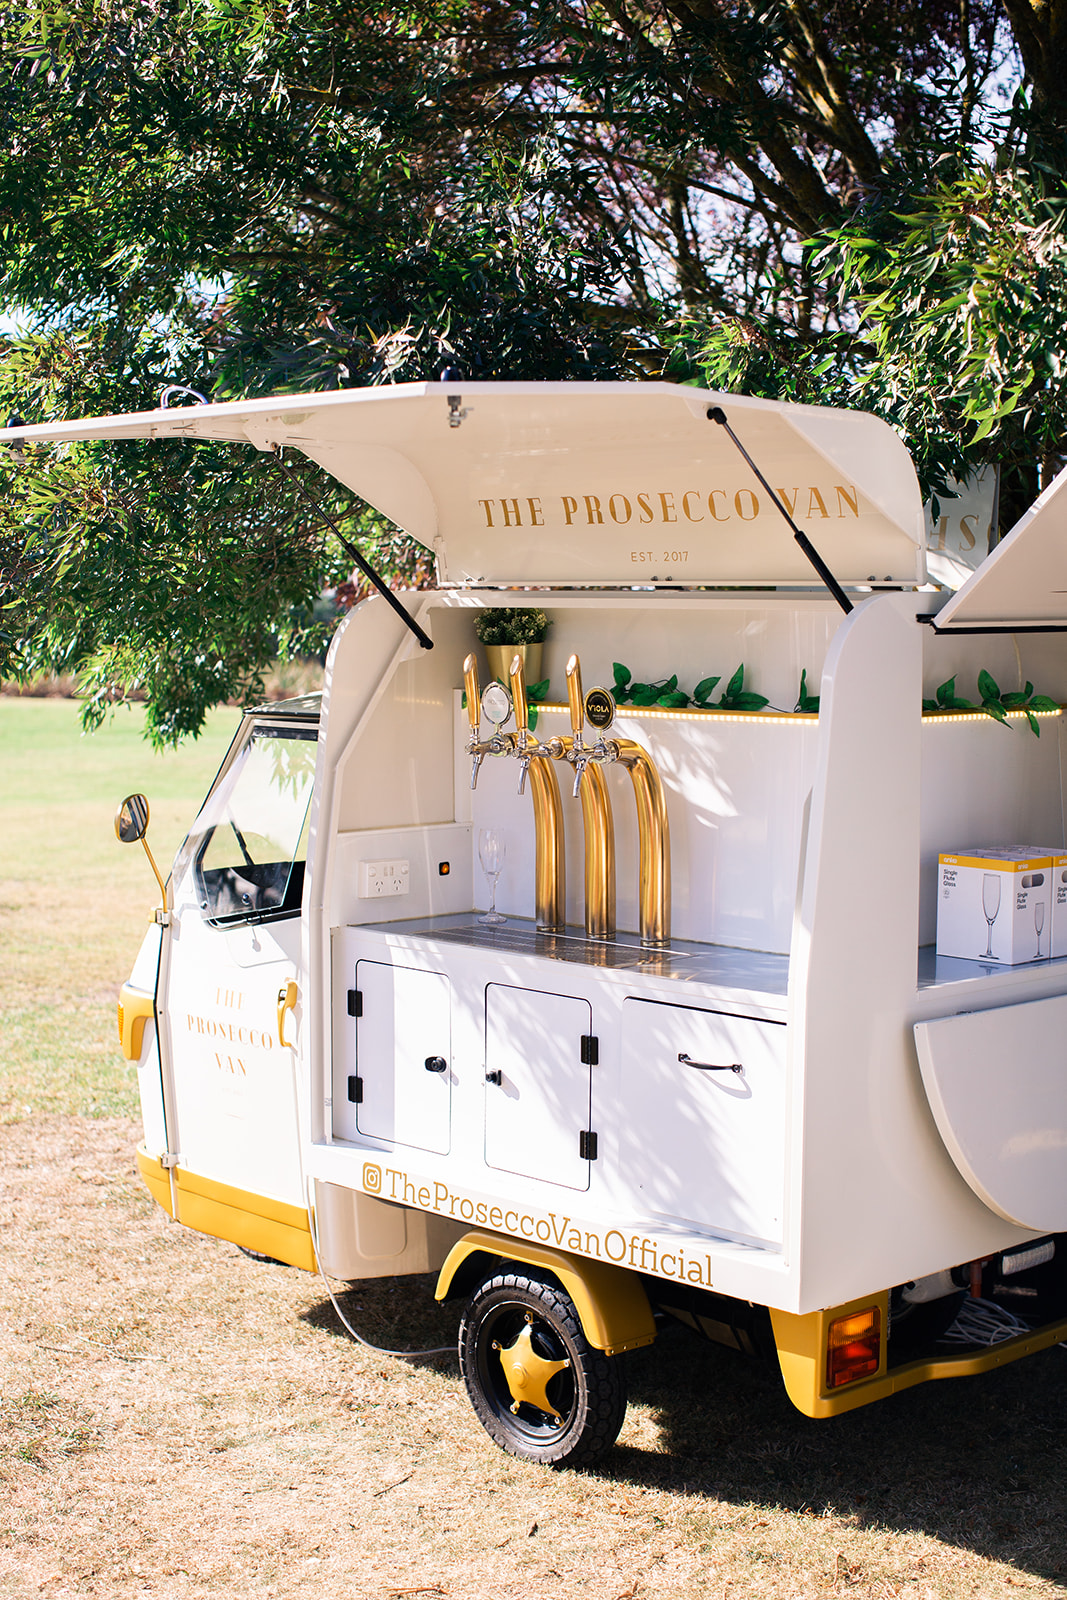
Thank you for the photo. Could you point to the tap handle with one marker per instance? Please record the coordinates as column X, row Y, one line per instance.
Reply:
column 518, row 697
column 574, row 697
column 470, row 684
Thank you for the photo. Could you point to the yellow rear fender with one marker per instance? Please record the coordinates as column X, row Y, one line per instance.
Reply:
column 611, row 1302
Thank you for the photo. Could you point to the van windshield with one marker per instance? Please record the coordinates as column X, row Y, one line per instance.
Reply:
column 249, row 844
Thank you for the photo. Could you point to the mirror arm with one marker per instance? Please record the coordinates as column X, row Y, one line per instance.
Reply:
column 155, row 869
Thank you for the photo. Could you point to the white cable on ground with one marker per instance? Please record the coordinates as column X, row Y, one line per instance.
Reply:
column 983, row 1322
column 379, row 1349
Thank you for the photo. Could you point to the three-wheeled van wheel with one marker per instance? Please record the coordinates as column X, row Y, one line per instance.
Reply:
column 536, row 1384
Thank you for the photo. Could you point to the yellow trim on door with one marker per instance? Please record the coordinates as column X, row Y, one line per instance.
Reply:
column 156, row 1178
column 271, row 1227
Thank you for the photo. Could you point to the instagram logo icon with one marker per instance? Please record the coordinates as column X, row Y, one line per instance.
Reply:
column 372, row 1178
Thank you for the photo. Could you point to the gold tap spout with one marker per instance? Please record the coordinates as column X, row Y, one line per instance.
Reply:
column 550, row 883
column 598, row 824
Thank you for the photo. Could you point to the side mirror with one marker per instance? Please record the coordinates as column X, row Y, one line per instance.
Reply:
column 131, row 824
column 131, row 819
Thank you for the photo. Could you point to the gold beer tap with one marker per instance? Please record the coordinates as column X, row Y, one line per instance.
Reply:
column 550, row 883
column 477, row 747
column 597, row 820
column 653, row 828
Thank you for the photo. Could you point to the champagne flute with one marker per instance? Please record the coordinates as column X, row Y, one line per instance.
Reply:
column 1039, row 922
column 990, row 907
column 492, row 847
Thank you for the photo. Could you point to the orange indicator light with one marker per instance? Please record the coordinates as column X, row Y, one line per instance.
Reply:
column 853, row 1347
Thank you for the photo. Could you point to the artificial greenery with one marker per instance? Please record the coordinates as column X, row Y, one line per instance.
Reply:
column 511, row 625
column 805, row 701
column 994, row 702
column 667, row 694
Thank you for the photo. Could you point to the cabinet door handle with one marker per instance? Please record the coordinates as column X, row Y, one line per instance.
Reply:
column 711, row 1066
column 435, row 1064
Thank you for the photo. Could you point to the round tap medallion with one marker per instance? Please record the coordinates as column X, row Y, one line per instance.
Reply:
column 496, row 704
column 600, row 709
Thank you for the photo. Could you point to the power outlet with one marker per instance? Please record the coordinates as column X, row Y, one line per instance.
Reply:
column 380, row 879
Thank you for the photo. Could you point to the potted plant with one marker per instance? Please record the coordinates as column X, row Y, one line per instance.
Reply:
column 507, row 631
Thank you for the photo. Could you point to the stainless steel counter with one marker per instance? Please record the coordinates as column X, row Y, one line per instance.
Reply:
column 684, row 961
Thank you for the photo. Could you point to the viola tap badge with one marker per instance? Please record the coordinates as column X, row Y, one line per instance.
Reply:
column 663, row 1256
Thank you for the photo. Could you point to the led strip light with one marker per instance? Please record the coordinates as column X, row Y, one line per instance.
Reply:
column 792, row 718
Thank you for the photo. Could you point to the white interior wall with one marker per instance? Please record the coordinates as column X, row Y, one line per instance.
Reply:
column 735, row 794
column 982, row 782
column 735, row 791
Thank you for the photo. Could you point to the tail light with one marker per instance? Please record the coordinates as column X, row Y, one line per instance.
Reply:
column 853, row 1347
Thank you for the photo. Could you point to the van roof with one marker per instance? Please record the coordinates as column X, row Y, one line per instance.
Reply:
column 588, row 483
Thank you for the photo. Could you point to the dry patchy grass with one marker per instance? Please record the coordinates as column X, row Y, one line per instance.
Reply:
column 182, row 1421
column 177, row 1420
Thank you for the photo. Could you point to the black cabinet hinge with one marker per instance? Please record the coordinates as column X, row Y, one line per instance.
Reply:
column 590, row 1050
column 355, row 1090
column 355, row 1002
column 587, row 1146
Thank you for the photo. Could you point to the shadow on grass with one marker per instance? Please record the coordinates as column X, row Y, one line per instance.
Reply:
column 979, row 1463
column 394, row 1314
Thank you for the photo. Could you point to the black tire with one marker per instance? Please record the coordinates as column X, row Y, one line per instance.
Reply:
column 518, row 1311
column 257, row 1255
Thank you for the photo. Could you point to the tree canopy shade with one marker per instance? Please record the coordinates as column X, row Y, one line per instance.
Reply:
column 847, row 201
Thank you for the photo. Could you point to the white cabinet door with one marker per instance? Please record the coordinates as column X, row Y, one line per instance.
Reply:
column 537, row 1090
column 702, row 1145
column 403, row 1083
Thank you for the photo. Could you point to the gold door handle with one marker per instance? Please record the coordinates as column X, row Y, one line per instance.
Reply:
column 286, row 1001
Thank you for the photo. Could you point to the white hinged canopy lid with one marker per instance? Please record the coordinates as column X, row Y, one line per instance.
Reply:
column 1023, row 581
column 590, row 483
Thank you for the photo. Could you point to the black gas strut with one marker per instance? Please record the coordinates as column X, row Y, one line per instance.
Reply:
column 717, row 414
column 350, row 550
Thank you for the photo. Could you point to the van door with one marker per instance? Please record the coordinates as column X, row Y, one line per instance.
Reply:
column 235, row 943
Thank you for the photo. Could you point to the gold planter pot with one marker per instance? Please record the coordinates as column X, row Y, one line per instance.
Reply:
column 500, row 657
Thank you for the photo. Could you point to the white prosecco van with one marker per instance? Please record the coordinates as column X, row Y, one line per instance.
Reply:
column 706, row 1062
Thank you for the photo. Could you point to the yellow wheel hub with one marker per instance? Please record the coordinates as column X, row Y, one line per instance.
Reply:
column 528, row 1374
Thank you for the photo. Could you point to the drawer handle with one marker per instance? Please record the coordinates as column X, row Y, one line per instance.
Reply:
column 436, row 1064
column 710, row 1066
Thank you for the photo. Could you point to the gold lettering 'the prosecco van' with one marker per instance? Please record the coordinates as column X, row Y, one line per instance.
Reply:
column 626, row 1009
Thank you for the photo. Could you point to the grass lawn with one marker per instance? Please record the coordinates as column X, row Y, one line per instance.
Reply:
column 74, row 903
